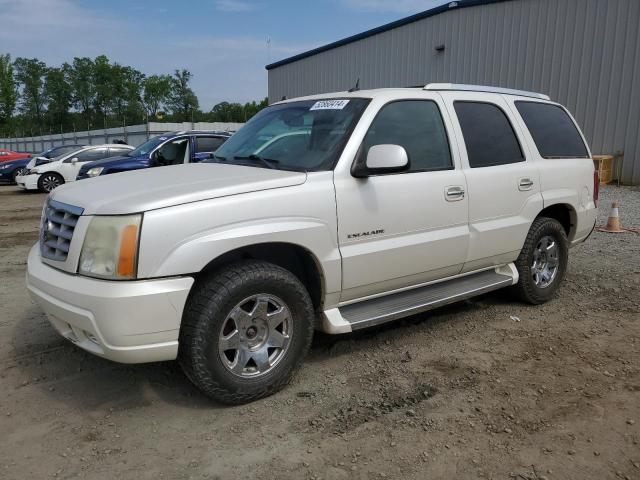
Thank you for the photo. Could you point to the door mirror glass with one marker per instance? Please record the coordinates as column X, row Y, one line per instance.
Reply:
column 383, row 159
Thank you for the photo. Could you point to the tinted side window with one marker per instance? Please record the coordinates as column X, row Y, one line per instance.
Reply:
column 553, row 131
column 63, row 150
column 116, row 152
column 417, row 126
column 488, row 135
column 208, row 144
column 91, row 155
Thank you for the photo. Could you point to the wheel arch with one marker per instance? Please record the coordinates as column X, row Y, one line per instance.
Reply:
column 292, row 257
column 565, row 214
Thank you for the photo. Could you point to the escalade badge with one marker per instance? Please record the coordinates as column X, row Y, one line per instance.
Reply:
column 365, row 234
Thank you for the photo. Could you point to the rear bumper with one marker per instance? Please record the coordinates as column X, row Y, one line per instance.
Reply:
column 123, row 321
column 28, row 182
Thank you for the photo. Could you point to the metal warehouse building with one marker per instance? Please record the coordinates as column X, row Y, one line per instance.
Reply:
column 585, row 54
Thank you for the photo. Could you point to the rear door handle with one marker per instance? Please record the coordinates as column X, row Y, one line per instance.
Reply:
column 525, row 184
column 454, row 193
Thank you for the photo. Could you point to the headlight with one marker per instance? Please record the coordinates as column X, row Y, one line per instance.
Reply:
column 95, row 171
column 2, row 167
column 110, row 248
column 33, row 171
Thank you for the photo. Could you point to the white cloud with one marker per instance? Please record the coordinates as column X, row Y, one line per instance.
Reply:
column 234, row 6
column 396, row 6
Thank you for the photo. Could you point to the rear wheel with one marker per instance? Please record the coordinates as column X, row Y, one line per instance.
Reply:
column 542, row 263
column 19, row 172
column 245, row 331
column 49, row 181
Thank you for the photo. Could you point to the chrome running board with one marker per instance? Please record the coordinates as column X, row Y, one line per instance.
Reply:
column 391, row 307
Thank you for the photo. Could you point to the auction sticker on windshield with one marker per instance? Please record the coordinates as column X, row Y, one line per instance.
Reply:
column 329, row 105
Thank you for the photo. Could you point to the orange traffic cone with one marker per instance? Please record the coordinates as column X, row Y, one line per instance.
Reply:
column 613, row 223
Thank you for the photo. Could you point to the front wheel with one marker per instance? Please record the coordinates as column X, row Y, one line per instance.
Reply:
column 49, row 181
column 542, row 263
column 245, row 331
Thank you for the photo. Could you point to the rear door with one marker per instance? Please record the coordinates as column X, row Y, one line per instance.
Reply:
column 399, row 230
column 502, row 178
column 204, row 146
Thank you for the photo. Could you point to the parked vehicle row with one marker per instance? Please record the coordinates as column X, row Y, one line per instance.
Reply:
column 337, row 212
column 46, row 172
column 65, row 168
column 11, row 169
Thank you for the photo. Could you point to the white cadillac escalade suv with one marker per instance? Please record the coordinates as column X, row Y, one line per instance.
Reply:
column 335, row 212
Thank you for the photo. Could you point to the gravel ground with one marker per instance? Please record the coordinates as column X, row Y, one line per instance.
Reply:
column 488, row 388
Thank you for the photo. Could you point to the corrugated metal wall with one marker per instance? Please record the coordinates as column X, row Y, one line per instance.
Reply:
column 584, row 53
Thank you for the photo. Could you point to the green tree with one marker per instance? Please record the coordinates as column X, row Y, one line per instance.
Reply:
column 157, row 89
column 29, row 74
column 182, row 101
column 103, row 81
column 127, row 92
column 227, row 112
column 84, row 91
column 58, row 93
column 8, row 89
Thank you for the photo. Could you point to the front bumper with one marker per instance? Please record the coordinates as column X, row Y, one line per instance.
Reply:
column 6, row 176
column 124, row 321
column 28, row 182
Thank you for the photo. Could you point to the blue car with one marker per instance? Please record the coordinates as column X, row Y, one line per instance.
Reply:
column 11, row 169
column 168, row 149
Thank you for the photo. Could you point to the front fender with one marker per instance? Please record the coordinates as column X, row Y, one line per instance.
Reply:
column 182, row 240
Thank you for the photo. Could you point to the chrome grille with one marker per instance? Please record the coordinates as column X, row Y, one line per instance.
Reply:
column 58, row 223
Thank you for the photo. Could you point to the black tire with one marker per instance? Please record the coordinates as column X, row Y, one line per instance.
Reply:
column 17, row 172
column 526, row 289
column 48, row 181
column 211, row 301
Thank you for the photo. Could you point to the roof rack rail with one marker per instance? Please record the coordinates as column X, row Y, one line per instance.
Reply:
column 484, row 88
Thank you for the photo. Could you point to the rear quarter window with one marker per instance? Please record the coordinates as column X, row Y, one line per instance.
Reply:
column 552, row 130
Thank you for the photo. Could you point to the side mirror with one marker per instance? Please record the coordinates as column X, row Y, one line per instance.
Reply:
column 382, row 159
column 74, row 160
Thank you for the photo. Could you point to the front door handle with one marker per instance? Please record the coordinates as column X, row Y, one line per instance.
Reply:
column 525, row 184
column 454, row 193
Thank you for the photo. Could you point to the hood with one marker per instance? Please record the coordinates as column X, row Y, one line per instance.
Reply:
column 153, row 188
column 15, row 163
column 107, row 162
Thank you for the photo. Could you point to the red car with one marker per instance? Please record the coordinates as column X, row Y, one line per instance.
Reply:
column 6, row 155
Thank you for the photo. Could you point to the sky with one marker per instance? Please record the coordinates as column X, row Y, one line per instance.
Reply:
column 224, row 43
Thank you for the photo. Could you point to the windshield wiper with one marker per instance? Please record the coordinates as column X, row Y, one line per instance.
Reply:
column 268, row 162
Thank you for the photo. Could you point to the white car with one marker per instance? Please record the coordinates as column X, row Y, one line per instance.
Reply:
column 394, row 202
column 65, row 168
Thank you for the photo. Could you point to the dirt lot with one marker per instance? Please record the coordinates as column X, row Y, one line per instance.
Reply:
column 489, row 388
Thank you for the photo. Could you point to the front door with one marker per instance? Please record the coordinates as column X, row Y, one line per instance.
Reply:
column 403, row 229
column 71, row 166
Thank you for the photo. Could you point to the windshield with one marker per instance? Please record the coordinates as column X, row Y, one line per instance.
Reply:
column 305, row 136
column 147, row 146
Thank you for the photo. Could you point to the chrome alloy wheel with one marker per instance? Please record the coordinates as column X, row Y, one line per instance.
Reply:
column 545, row 262
column 50, row 182
column 255, row 335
